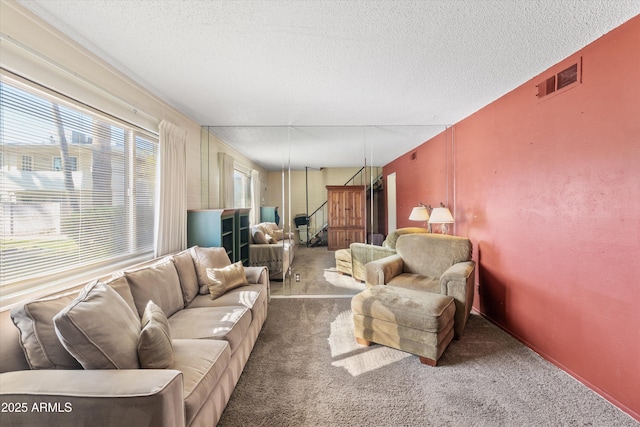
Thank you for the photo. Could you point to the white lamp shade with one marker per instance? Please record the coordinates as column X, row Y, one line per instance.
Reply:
column 441, row 216
column 419, row 213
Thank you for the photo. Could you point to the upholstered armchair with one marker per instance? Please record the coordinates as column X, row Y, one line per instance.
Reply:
column 434, row 263
column 362, row 253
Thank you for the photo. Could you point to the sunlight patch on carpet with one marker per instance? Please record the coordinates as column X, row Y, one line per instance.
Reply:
column 342, row 281
column 357, row 359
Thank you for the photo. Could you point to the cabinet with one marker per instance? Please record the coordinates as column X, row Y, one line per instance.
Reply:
column 227, row 228
column 346, row 215
column 242, row 235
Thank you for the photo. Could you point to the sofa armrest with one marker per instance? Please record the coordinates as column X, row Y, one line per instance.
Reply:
column 104, row 397
column 257, row 275
column 362, row 253
column 381, row 271
column 457, row 281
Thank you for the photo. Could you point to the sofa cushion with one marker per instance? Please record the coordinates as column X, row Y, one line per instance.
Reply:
column 99, row 329
column 187, row 274
column 226, row 323
column 120, row 284
column 204, row 258
column 41, row 346
column 226, row 278
column 247, row 296
column 159, row 283
column 155, row 350
column 202, row 363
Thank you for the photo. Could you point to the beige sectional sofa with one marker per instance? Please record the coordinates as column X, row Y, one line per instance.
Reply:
column 103, row 355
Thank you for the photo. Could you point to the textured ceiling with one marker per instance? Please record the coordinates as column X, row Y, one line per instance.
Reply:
column 404, row 69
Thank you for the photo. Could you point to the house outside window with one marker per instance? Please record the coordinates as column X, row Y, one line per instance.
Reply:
column 60, row 222
column 72, row 166
column 27, row 163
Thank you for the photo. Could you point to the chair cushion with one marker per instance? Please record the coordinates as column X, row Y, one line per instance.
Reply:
column 432, row 254
column 392, row 238
column 155, row 350
column 99, row 329
column 416, row 282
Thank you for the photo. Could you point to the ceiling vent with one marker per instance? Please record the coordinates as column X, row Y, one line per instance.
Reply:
column 564, row 78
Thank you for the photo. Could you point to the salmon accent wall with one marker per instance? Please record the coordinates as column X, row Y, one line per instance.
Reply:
column 548, row 190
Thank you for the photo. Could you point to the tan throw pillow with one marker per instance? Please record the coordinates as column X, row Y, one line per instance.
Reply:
column 258, row 236
column 155, row 350
column 224, row 279
column 99, row 329
column 204, row 258
column 278, row 235
column 41, row 346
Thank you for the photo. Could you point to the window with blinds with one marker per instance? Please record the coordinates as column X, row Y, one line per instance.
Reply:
column 77, row 187
column 241, row 189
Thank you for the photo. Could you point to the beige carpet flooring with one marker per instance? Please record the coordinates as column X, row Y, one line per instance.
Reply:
column 307, row 370
column 316, row 269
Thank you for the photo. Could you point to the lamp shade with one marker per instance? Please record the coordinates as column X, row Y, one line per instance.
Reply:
column 419, row 213
column 441, row 216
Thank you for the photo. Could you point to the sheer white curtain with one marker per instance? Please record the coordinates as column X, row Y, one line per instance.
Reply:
column 171, row 221
column 255, row 197
column 225, row 163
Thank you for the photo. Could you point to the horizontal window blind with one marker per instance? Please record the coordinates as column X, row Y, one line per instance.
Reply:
column 77, row 189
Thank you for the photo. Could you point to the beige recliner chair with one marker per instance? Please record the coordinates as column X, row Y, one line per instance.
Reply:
column 361, row 253
column 433, row 263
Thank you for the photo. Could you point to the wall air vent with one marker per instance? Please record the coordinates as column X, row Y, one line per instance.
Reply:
column 546, row 87
column 564, row 78
column 568, row 76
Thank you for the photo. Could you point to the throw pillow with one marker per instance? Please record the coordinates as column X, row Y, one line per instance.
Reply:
column 278, row 235
column 258, row 236
column 205, row 258
column 99, row 329
column 155, row 350
column 41, row 346
column 224, row 279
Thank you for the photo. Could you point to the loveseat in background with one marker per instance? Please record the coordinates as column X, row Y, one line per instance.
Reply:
column 272, row 247
column 42, row 384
